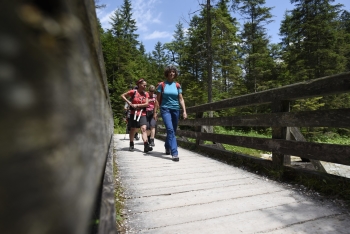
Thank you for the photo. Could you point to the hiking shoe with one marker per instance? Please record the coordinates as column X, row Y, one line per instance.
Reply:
column 147, row 148
column 167, row 151
column 131, row 147
column 175, row 158
column 152, row 142
column 137, row 137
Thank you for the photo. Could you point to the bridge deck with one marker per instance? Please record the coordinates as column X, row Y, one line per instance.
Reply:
column 201, row 195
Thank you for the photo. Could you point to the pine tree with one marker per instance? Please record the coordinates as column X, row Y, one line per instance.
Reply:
column 98, row 6
column 313, row 44
column 160, row 58
column 313, row 25
column 258, row 63
column 344, row 29
column 291, row 47
column 227, row 73
column 122, row 56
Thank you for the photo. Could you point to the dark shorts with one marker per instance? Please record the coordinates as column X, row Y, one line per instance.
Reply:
column 143, row 120
column 137, row 124
column 151, row 122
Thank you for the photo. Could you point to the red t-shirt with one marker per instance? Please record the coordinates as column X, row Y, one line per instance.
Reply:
column 151, row 102
column 139, row 98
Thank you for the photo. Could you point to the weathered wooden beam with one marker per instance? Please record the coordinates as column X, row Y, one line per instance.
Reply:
column 107, row 216
column 199, row 115
column 339, row 118
column 298, row 136
column 56, row 120
column 324, row 152
column 279, row 159
column 329, row 85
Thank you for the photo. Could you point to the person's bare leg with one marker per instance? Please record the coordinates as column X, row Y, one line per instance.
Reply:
column 152, row 135
column 153, row 132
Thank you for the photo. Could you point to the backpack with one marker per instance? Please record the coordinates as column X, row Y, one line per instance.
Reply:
column 132, row 98
column 178, row 86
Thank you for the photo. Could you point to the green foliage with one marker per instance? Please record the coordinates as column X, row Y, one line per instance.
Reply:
column 309, row 104
column 119, row 125
column 312, row 41
column 258, row 63
column 227, row 80
column 242, row 150
column 331, row 138
column 315, row 43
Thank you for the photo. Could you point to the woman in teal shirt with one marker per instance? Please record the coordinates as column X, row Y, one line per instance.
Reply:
column 170, row 99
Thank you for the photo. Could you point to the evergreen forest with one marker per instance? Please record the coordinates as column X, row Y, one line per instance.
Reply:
column 233, row 59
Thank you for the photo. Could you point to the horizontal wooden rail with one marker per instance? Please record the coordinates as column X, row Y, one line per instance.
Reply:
column 330, row 118
column 329, row 85
column 318, row 151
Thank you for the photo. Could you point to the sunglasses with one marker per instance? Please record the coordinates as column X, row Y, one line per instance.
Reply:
column 139, row 81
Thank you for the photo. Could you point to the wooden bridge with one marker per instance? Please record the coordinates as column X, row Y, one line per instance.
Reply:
column 57, row 145
column 201, row 195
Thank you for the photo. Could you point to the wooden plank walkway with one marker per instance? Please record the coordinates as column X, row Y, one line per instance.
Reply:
column 201, row 195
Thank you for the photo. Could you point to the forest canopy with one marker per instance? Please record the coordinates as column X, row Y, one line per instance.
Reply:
column 315, row 43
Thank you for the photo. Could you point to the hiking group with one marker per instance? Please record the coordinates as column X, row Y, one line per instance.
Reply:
column 144, row 106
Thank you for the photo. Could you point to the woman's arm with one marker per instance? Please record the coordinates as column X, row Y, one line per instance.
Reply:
column 144, row 104
column 156, row 106
column 182, row 103
column 124, row 97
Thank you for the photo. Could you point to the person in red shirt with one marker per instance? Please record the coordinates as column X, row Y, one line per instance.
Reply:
column 138, row 104
column 151, row 122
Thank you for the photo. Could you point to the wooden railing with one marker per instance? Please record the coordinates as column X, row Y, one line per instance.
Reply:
column 285, row 125
column 56, row 122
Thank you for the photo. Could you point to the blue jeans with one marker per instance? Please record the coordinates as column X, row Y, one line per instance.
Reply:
column 170, row 118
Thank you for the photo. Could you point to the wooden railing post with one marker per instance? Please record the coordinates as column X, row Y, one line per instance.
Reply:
column 198, row 128
column 298, row 136
column 280, row 133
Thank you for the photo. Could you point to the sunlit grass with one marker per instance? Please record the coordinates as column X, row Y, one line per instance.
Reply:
column 339, row 140
column 320, row 138
column 242, row 150
column 120, row 129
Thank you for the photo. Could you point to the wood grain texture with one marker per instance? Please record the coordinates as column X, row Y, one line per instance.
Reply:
column 56, row 119
column 339, row 118
column 324, row 152
column 107, row 219
column 324, row 86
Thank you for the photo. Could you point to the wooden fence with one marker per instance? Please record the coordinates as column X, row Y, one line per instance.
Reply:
column 286, row 137
column 56, row 123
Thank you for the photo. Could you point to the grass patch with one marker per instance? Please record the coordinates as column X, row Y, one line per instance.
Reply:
column 335, row 139
column 327, row 138
column 238, row 149
column 248, row 151
column 119, row 196
column 119, row 129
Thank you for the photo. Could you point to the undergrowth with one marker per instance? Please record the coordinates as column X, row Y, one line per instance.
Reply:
column 328, row 138
column 118, row 195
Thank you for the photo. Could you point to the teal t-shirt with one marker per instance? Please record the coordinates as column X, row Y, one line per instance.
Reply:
column 170, row 96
